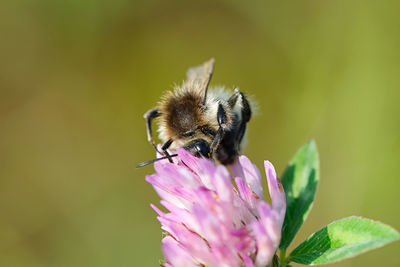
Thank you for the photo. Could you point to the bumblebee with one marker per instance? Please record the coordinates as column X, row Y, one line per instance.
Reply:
column 207, row 122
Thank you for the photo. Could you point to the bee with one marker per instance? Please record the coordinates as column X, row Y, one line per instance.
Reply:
column 207, row 122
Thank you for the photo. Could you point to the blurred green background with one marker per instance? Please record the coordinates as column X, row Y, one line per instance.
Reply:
column 77, row 76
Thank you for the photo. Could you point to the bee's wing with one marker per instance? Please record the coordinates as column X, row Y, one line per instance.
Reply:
column 201, row 75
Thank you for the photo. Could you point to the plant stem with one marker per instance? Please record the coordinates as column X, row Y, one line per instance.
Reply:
column 282, row 258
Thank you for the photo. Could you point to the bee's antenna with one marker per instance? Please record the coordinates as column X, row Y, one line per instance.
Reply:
column 209, row 69
column 201, row 75
column 154, row 160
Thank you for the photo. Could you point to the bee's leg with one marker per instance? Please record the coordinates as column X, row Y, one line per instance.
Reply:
column 240, row 134
column 246, row 113
column 222, row 119
column 216, row 140
column 149, row 116
column 164, row 148
column 233, row 99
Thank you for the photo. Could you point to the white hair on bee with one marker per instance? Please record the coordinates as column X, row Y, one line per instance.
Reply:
column 216, row 96
column 221, row 93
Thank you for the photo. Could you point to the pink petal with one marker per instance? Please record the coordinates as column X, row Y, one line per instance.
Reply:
column 267, row 234
column 267, row 219
column 177, row 174
column 175, row 254
column 198, row 247
column 172, row 198
column 245, row 193
column 243, row 168
column 168, row 196
column 210, row 222
column 226, row 256
column 210, row 227
column 203, row 168
column 248, row 262
column 159, row 212
column 170, row 187
column 181, row 215
column 265, row 248
column 223, row 184
column 276, row 192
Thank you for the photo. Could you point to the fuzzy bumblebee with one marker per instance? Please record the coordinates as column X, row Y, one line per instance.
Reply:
column 206, row 121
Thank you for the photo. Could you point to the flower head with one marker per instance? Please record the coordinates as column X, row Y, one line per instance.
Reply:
column 213, row 218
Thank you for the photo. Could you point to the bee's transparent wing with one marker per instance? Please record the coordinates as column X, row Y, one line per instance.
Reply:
column 201, row 76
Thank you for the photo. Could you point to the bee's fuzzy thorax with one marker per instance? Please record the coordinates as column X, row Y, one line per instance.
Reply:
column 183, row 110
column 180, row 112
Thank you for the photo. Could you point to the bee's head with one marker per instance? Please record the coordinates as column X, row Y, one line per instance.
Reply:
column 199, row 148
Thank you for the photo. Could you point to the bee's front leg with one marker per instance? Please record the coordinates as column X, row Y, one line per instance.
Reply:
column 245, row 112
column 164, row 148
column 246, row 115
column 149, row 116
column 222, row 122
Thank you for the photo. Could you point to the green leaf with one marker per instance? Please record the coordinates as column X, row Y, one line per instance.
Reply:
column 343, row 239
column 300, row 181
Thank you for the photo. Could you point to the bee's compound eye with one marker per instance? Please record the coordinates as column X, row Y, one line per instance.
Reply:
column 198, row 147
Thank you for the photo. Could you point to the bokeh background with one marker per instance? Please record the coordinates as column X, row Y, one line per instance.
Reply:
column 77, row 76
